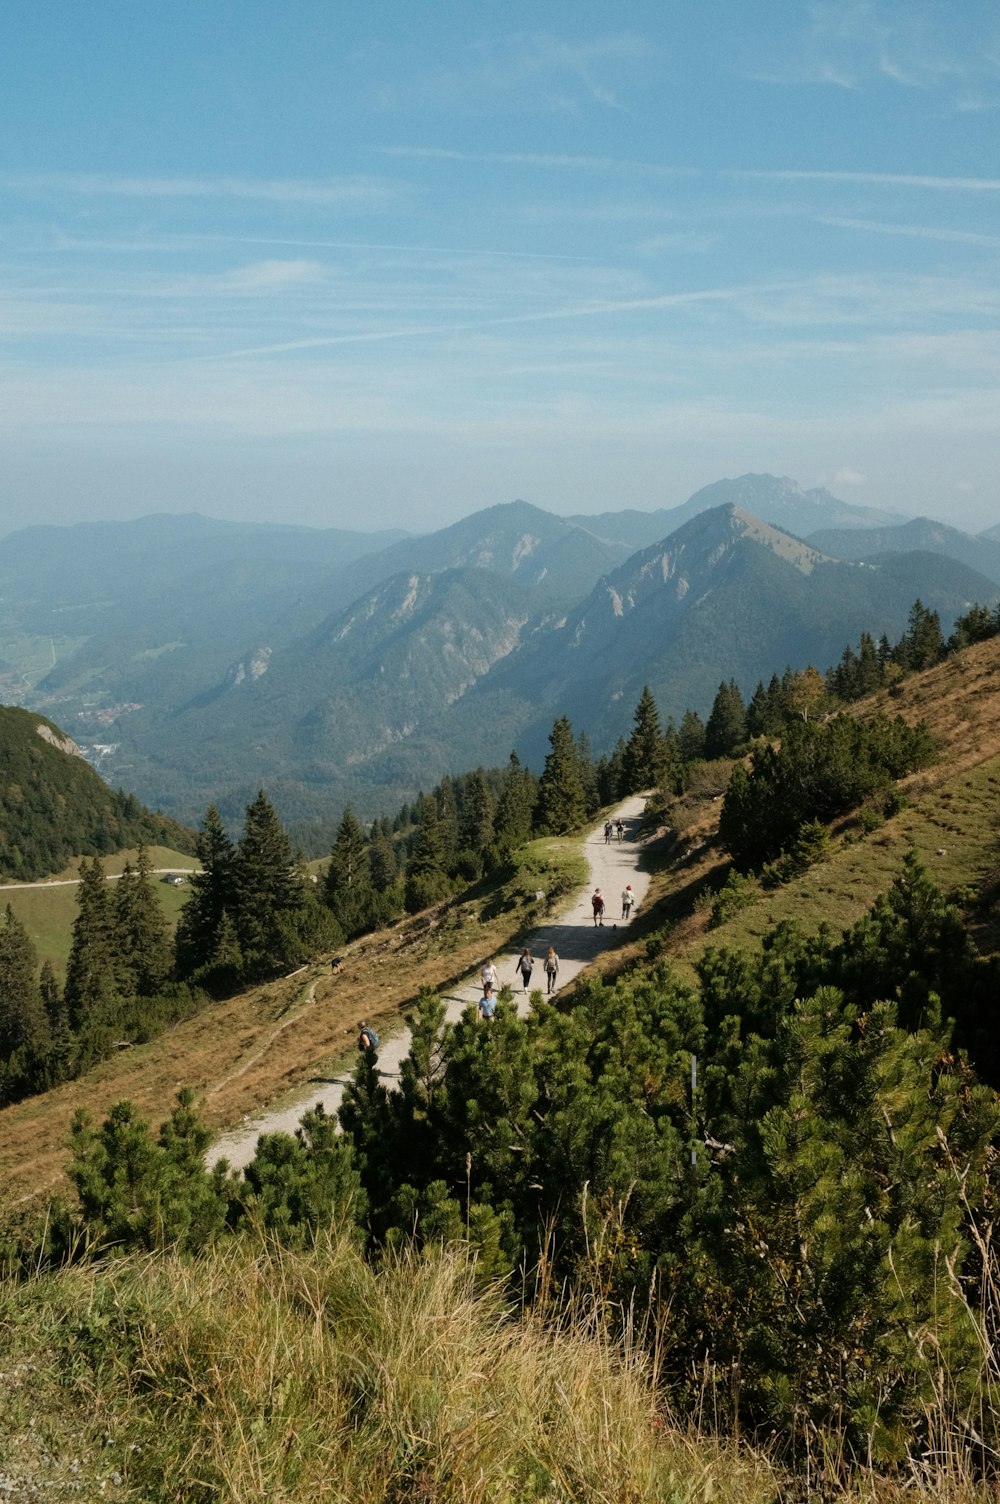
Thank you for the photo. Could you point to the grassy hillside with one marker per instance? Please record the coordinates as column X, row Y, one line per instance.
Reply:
column 308, row 1377
column 951, row 818
column 251, row 1048
column 296, row 1375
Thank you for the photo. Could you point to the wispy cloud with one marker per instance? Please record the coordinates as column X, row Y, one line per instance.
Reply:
column 914, row 232
column 595, row 309
column 351, row 192
column 883, row 179
column 916, row 44
column 551, row 161
column 532, row 71
column 129, row 245
column 266, row 276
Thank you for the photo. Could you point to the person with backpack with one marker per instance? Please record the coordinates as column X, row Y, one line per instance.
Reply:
column 524, row 966
column 367, row 1038
column 597, row 904
column 607, row 832
column 551, row 968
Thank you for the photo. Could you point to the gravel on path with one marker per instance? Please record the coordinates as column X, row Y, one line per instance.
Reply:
column 573, row 934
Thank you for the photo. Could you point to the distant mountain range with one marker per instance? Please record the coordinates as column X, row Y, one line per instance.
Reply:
column 196, row 661
column 981, row 553
column 772, row 498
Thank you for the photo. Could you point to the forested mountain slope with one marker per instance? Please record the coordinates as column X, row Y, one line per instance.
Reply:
column 53, row 806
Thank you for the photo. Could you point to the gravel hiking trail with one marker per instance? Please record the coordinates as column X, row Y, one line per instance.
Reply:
column 573, row 933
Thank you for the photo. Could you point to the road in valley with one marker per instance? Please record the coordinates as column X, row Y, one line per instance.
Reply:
column 573, row 934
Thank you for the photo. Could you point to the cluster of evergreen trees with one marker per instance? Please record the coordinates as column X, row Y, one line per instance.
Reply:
column 471, row 824
column 119, row 983
column 816, row 772
column 252, row 910
column 801, row 1225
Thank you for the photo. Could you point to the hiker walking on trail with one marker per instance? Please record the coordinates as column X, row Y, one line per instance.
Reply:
column 487, row 1003
column 608, row 827
column 597, row 904
column 621, row 829
column 524, row 965
column 628, row 899
column 551, row 968
column 367, row 1038
column 490, row 975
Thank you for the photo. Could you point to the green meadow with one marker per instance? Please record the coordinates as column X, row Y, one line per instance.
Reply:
column 48, row 909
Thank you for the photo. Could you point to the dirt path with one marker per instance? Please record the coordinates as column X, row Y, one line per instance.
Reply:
column 74, row 882
column 576, row 939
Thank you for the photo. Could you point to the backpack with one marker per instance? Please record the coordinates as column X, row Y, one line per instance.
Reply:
column 372, row 1039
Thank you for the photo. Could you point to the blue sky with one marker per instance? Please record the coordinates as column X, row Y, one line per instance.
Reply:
column 379, row 265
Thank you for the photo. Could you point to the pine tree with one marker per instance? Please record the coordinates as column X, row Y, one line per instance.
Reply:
column 726, row 727
column 347, row 889
column 384, row 867
column 869, row 673
column 478, row 813
column 426, row 878
column 611, row 784
column 141, row 929
column 516, row 806
column 139, row 1192
column 447, row 813
column 922, row 644
column 588, row 775
column 211, row 899
column 691, row 736
column 561, row 801
column 757, row 716
column 644, row 752
column 23, row 1024
column 303, row 1183
column 269, row 896
column 52, row 1000
column 93, row 972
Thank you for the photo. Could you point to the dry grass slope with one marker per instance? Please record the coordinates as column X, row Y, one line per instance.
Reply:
column 250, row 1049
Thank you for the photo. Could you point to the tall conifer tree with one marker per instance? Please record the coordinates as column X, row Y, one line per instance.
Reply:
column 562, row 803
column 516, row 806
column 93, row 971
column 22, row 1014
column 212, row 897
column 269, row 899
column 348, row 887
column 141, row 930
column 644, row 751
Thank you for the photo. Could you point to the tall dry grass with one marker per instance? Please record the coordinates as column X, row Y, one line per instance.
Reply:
column 266, row 1374
column 261, row 1373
